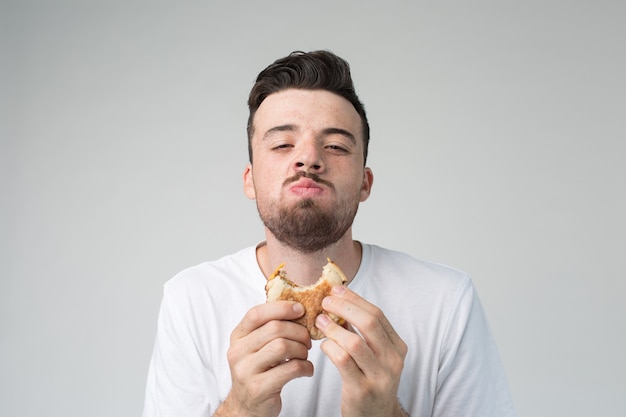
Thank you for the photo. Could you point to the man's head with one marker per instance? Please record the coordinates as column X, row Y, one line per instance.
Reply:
column 317, row 70
column 308, row 142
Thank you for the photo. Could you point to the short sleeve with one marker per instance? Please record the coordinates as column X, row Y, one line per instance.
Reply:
column 471, row 380
column 180, row 382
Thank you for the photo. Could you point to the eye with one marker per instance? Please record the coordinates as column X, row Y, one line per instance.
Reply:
column 337, row 148
column 281, row 146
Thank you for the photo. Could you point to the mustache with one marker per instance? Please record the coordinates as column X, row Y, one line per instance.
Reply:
column 310, row 175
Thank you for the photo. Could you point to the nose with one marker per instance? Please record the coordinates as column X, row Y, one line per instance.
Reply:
column 310, row 158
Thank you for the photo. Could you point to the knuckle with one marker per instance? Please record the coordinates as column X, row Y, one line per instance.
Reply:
column 377, row 313
column 234, row 353
column 231, row 355
column 396, row 364
column 404, row 349
column 354, row 344
column 300, row 367
column 278, row 346
column 333, row 350
column 273, row 327
column 253, row 316
column 343, row 358
column 370, row 323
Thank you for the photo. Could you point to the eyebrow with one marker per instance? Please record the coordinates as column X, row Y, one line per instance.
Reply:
column 325, row 132
column 281, row 128
column 339, row 131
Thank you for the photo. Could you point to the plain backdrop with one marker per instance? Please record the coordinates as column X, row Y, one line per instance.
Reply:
column 498, row 147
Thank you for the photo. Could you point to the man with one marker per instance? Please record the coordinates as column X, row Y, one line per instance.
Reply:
column 416, row 340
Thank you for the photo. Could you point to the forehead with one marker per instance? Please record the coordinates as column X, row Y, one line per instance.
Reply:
column 307, row 109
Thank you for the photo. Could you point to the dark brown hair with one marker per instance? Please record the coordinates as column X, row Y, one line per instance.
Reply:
column 316, row 70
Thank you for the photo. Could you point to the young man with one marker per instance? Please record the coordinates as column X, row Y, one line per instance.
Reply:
column 416, row 341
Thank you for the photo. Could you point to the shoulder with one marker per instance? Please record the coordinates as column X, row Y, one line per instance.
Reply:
column 395, row 262
column 238, row 270
column 388, row 274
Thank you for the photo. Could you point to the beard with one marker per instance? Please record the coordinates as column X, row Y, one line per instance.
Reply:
column 306, row 227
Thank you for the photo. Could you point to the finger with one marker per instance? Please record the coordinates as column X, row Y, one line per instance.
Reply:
column 281, row 331
column 343, row 361
column 276, row 377
column 271, row 382
column 344, row 293
column 261, row 314
column 279, row 351
column 269, row 346
column 367, row 324
column 350, row 343
column 355, row 306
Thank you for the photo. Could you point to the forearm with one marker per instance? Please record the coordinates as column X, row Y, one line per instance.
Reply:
column 229, row 409
column 233, row 407
column 225, row 410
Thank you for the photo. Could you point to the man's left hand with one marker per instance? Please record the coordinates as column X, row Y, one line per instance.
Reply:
column 370, row 362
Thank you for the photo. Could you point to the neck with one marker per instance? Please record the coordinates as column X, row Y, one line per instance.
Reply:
column 306, row 268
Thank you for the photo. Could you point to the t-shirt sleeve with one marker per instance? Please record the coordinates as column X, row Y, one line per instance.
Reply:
column 471, row 380
column 180, row 382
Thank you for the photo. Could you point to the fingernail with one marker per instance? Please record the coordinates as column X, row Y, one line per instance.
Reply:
column 322, row 320
column 338, row 289
column 298, row 308
column 326, row 301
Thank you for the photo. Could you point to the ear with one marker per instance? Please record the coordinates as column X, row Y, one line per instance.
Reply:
column 248, row 182
column 366, row 186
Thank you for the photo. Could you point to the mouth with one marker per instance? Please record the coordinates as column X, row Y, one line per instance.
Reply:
column 307, row 185
column 306, row 188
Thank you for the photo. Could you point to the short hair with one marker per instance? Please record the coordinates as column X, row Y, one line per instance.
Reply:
column 315, row 70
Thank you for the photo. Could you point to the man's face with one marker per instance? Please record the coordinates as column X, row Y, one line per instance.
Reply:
column 307, row 173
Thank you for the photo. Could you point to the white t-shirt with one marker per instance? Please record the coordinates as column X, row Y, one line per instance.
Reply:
column 452, row 367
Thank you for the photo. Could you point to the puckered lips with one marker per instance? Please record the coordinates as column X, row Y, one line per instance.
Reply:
column 306, row 187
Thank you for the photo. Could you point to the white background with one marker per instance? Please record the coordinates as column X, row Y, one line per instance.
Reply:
column 498, row 143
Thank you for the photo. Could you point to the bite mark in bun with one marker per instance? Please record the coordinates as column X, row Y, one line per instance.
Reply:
column 279, row 287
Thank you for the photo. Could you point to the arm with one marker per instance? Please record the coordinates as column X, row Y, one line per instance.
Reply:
column 370, row 363
column 266, row 351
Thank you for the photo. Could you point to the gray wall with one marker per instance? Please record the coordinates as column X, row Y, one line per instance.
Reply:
column 497, row 144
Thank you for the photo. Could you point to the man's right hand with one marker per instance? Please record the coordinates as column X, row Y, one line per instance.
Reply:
column 266, row 351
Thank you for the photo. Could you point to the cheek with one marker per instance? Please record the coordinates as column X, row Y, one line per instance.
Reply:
column 349, row 189
column 265, row 186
